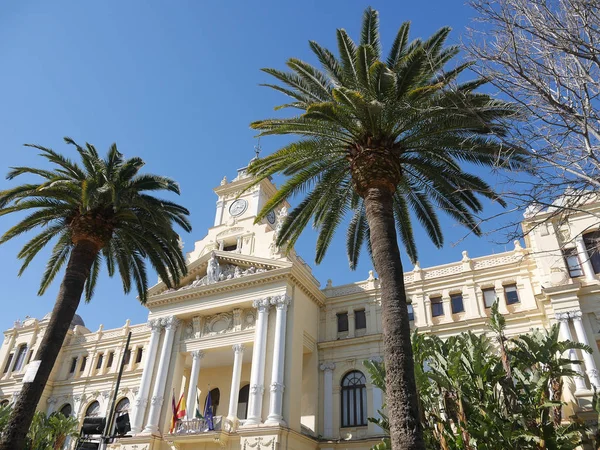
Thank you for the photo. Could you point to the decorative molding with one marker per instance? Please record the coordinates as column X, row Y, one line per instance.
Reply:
column 170, row 323
column 257, row 389
column 281, row 302
column 260, row 442
column 327, row 366
column 197, row 354
column 155, row 325
column 157, row 400
column 238, row 348
column 277, row 387
column 262, row 305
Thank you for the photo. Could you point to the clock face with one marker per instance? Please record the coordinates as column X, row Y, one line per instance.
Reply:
column 238, row 207
column 271, row 217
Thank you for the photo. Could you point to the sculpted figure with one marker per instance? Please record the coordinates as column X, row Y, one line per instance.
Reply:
column 213, row 271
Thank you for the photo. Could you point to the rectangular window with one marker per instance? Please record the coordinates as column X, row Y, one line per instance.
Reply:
column 437, row 307
column 572, row 261
column 592, row 245
column 489, row 297
column 127, row 357
column 20, row 358
column 411, row 312
column 342, row 322
column 360, row 319
column 73, row 365
column 138, row 355
column 29, row 357
column 111, row 356
column 456, row 301
column 99, row 361
column 511, row 294
column 83, row 363
column 8, row 361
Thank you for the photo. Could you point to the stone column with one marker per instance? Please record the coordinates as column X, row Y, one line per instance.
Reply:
column 275, row 417
column 327, row 369
column 257, row 373
column 584, row 259
column 351, row 323
column 588, row 358
column 197, row 356
column 563, row 319
column 170, row 324
column 141, row 402
column 219, row 213
column 236, row 376
column 9, row 347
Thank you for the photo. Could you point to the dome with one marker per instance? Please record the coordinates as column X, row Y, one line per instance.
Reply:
column 77, row 320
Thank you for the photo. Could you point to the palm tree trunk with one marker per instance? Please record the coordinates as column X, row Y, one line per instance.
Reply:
column 401, row 388
column 67, row 301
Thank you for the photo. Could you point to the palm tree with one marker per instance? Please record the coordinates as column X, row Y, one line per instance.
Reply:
column 384, row 142
column 101, row 209
column 61, row 427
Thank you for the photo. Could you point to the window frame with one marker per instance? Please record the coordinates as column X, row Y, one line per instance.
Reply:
column 591, row 241
column 411, row 312
column 437, row 300
column 495, row 296
column 21, row 354
column 454, row 297
column 342, row 315
column 357, row 313
column 351, row 395
column 516, row 291
column 575, row 271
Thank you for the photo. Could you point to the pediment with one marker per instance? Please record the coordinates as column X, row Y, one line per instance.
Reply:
column 217, row 267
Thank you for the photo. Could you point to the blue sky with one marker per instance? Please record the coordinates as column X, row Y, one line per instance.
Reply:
column 175, row 83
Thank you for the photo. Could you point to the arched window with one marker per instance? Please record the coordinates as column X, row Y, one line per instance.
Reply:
column 93, row 410
column 66, row 410
column 215, row 396
column 20, row 358
column 242, row 410
column 354, row 399
column 122, row 407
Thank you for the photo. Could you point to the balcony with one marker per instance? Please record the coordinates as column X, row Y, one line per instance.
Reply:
column 197, row 430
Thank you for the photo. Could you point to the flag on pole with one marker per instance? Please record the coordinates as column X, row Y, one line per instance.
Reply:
column 174, row 408
column 198, row 415
column 208, row 412
column 181, row 409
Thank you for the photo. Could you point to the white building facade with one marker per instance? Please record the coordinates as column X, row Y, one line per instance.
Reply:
column 282, row 358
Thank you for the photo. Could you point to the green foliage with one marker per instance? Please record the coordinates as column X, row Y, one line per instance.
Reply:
column 105, row 201
column 406, row 112
column 468, row 401
column 45, row 432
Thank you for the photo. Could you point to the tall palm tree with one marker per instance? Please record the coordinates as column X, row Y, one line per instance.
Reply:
column 384, row 141
column 101, row 209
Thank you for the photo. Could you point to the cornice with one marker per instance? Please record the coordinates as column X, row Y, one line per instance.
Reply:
column 367, row 338
column 221, row 286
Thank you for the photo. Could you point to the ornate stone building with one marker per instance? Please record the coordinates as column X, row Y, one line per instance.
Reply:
column 279, row 356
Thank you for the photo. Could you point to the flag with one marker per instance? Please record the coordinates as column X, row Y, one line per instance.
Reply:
column 174, row 408
column 198, row 415
column 208, row 413
column 181, row 408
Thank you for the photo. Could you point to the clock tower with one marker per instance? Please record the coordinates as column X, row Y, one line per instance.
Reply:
column 236, row 210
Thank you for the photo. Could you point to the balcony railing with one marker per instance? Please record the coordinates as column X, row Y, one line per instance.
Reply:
column 197, row 426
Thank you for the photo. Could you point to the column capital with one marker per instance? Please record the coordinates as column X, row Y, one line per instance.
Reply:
column 197, row 354
column 280, row 301
column 170, row 323
column 562, row 316
column 262, row 304
column 576, row 315
column 327, row 366
column 155, row 325
column 238, row 348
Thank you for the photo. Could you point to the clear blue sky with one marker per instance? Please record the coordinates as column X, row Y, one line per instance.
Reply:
column 175, row 83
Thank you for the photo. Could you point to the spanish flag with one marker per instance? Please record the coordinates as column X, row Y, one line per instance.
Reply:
column 178, row 411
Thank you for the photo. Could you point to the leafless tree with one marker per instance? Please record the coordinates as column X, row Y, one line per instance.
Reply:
column 545, row 56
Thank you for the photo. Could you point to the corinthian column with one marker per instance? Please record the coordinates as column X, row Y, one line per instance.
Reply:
column 590, row 364
column 257, row 373
column 563, row 319
column 275, row 417
column 327, row 369
column 170, row 324
column 197, row 356
column 236, row 376
column 141, row 402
